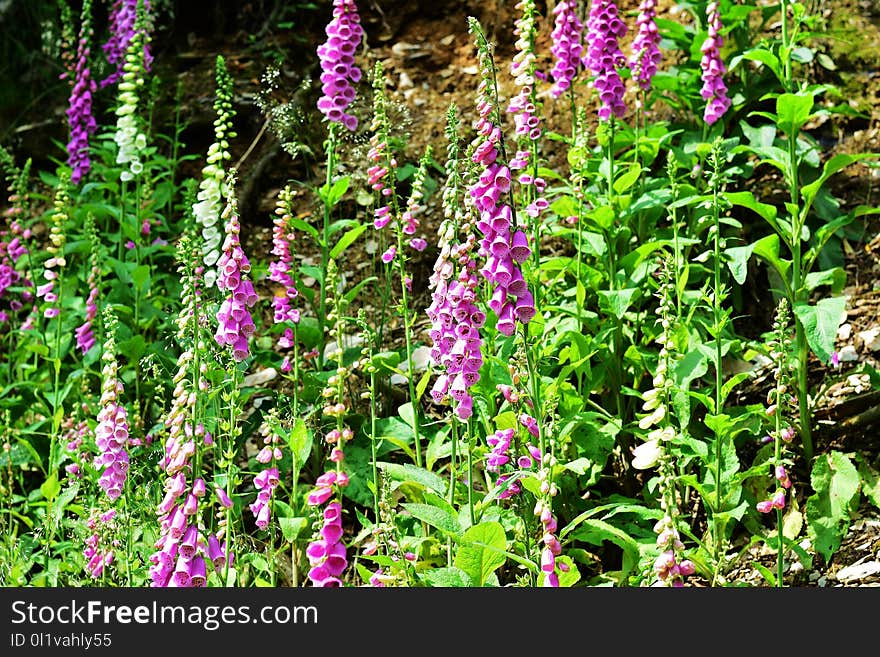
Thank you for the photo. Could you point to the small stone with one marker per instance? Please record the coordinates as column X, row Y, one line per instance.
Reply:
column 822, row 581
column 844, row 332
column 447, row 40
column 858, row 571
column 848, row 354
column 260, row 378
column 470, row 70
column 405, row 82
column 870, row 338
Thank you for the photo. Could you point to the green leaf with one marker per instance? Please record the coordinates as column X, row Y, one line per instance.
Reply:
column 331, row 195
column 596, row 532
column 300, row 442
column 820, row 324
column 406, row 472
column 834, row 277
column 769, row 59
column 738, row 260
column 832, row 166
column 141, row 278
column 767, row 248
column 793, row 111
column 628, row 179
column 50, row 488
column 291, row 528
column 346, row 240
column 836, row 482
column 475, row 557
column 449, row 577
column 617, row 302
column 306, row 227
column 434, row 516
column 603, row 216
column 353, row 292
column 748, row 200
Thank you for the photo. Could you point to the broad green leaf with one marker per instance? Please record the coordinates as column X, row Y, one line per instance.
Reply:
column 603, row 216
column 627, row 179
column 617, row 302
column 748, row 200
column 300, row 442
column 304, row 226
column 793, row 111
column 767, row 248
column 346, row 240
column 291, row 528
column 835, row 277
column 595, row 532
column 738, row 260
column 764, row 56
column 832, row 166
column 50, row 488
column 474, row 555
column 836, row 482
column 434, row 516
column 448, row 577
column 820, row 324
column 331, row 195
column 406, row 472
column 141, row 278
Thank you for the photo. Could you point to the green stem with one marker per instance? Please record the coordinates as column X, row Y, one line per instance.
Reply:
column 325, row 241
column 408, row 338
column 717, row 318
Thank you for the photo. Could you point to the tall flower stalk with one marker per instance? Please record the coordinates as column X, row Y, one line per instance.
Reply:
column 212, row 188
column 80, row 119
column 780, row 402
column 714, row 91
column 403, row 222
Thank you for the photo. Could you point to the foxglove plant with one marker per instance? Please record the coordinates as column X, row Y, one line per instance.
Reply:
column 669, row 567
column 714, row 90
column 212, row 188
column 14, row 244
column 455, row 318
column 645, row 47
column 326, row 552
column 525, row 108
column 111, row 434
column 339, row 73
column 101, row 542
column 129, row 138
column 780, row 403
column 80, row 119
column 504, row 245
column 123, row 27
column 54, row 265
column 603, row 57
column 280, row 270
column 567, row 48
column 185, row 549
column 235, row 324
column 85, row 334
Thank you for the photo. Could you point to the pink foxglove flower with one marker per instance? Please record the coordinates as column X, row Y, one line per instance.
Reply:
column 603, row 56
column 714, row 90
column 339, row 72
column 646, row 51
column 235, row 324
column 111, row 434
column 567, row 46
column 79, row 113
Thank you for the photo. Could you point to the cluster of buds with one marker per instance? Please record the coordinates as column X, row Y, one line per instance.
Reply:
column 280, row 269
column 212, row 188
column 100, row 544
column 382, row 172
column 12, row 248
column 123, row 25
column 85, row 334
column 56, row 260
column 74, row 437
column 550, row 565
column 130, row 141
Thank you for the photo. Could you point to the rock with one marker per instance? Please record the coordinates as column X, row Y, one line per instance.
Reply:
column 858, row 571
column 848, row 354
column 870, row 338
column 405, row 82
column 260, row 378
column 844, row 332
